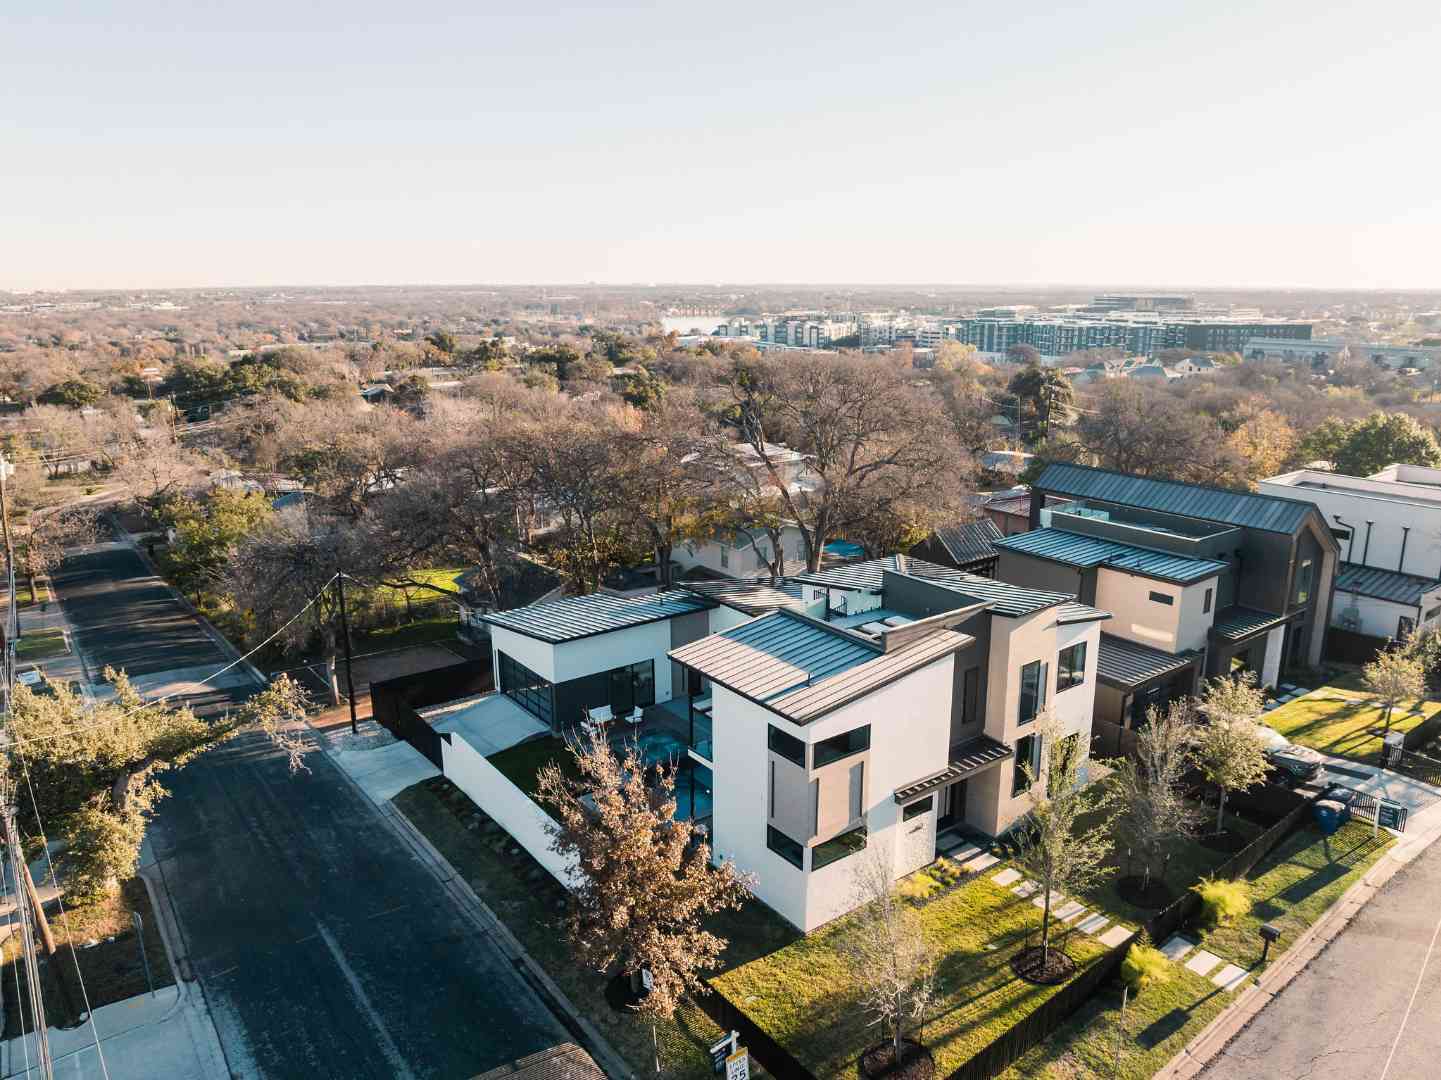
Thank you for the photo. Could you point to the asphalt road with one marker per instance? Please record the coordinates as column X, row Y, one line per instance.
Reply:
column 1368, row 1007
column 323, row 947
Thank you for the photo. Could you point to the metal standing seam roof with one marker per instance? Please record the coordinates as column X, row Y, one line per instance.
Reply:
column 802, row 669
column 1004, row 598
column 971, row 541
column 1077, row 612
column 1270, row 513
column 1238, row 623
column 1075, row 549
column 1126, row 663
column 1381, row 584
column 965, row 758
column 598, row 613
column 750, row 597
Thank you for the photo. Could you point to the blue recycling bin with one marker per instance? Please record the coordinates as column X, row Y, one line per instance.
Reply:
column 1330, row 815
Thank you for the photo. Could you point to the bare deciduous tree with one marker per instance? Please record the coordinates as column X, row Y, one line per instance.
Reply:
column 1056, row 850
column 1152, row 807
column 887, row 952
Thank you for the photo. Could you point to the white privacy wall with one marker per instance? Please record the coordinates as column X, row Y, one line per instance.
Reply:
column 513, row 810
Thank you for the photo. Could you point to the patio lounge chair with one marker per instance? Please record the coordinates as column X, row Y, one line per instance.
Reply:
column 635, row 716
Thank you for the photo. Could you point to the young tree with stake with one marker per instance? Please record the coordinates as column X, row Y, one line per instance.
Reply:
column 887, row 952
column 1230, row 748
column 1152, row 807
column 1396, row 675
column 1055, row 850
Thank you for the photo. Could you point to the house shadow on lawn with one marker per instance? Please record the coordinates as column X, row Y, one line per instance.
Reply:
column 1166, row 1025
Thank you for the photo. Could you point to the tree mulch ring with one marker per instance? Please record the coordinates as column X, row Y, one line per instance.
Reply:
column 1035, row 967
column 619, row 995
column 880, row 1061
column 1228, row 840
column 1155, row 894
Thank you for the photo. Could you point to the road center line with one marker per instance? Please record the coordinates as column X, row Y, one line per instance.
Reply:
column 1411, row 1005
column 392, row 1052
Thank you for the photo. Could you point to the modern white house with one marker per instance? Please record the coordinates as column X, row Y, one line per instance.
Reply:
column 1389, row 527
column 891, row 710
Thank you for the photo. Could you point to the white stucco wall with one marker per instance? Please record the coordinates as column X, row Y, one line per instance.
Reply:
column 513, row 810
column 1379, row 618
column 1193, row 626
column 910, row 732
column 741, row 559
column 539, row 656
column 855, row 601
column 586, row 656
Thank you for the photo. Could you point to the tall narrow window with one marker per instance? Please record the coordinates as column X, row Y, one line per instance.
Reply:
column 1303, row 582
column 1071, row 667
column 1033, row 690
column 1027, row 753
column 1206, row 602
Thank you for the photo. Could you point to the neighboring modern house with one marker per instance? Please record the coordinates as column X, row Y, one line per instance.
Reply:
column 967, row 546
column 892, row 711
column 1272, row 601
column 1389, row 527
column 745, row 553
column 1010, row 510
column 1163, row 602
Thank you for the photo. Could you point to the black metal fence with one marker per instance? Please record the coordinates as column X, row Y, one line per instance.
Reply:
column 395, row 702
column 1416, row 766
column 774, row 1057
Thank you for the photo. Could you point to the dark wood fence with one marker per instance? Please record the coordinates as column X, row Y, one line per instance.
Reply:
column 395, row 703
column 1349, row 647
column 771, row 1055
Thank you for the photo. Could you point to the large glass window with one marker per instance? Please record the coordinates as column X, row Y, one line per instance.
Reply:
column 792, row 851
column 1033, row 690
column 632, row 685
column 526, row 688
column 1028, row 752
column 916, row 809
column 837, row 848
column 787, row 746
column 1071, row 667
column 842, row 746
column 971, row 696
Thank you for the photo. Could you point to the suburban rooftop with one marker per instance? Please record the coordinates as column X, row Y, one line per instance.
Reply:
column 598, row 613
column 1074, row 549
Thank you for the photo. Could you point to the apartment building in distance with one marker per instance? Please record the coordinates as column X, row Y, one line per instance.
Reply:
column 1389, row 527
column 1133, row 333
column 1232, row 579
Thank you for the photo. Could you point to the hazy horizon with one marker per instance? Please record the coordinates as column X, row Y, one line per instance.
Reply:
column 1286, row 146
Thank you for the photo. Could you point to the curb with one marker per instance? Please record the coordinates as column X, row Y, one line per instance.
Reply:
column 471, row 904
column 1197, row 1054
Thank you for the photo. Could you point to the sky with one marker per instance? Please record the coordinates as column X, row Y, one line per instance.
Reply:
column 1173, row 143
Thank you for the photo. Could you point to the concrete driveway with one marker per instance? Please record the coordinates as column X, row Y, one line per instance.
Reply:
column 489, row 722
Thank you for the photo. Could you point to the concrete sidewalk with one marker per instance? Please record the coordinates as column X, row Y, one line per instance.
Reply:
column 1424, row 829
column 140, row 1038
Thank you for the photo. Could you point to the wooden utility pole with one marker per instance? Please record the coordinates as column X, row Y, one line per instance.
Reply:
column 345, row 641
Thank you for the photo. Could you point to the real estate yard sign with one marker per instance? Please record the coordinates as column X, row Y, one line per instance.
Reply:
column 738, row 1065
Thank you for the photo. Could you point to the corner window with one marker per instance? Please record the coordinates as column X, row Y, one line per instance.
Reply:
column 1162, row 598
column 725, row 556
column 787, row 746
column 916, row 809
column 792, row 851
column 842, row 746
column 1071, row 667
column 837, row 848
column 1206, row 602
column 1028, row 752
column 1033, row 690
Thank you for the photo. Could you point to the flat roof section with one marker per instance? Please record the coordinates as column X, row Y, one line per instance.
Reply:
column 1124, row 663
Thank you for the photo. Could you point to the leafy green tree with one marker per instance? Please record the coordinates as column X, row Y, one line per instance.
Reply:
column 1044, row 395
column 443, row 340
column 643, row 390
column 1382, row 438
column 95, row 769
column 208, row 532
column 557, row 359
column 72, row 393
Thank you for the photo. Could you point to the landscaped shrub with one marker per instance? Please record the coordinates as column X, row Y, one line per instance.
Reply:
column 1145, row 966
column 1222, row 901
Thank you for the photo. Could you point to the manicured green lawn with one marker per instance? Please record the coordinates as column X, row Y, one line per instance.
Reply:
column 522, row 763
column 1341, row 721
column 444, row 578
column 806, row 996
column 530, row 902
column 41, row 645
column 1158, row 1023
column 1293, row 886
column 438, row 627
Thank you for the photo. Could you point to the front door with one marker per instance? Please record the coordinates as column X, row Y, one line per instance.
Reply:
column 953, row 805
column 918, row 835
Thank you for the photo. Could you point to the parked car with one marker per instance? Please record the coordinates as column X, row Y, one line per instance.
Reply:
column 1298, row 763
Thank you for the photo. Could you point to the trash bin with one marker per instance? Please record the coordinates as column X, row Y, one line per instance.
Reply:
column 1330, row 815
